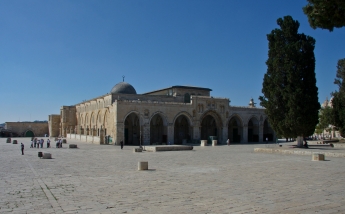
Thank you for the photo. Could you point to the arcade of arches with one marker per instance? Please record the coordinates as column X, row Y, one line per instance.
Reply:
column 183, row 130
column 174, row 115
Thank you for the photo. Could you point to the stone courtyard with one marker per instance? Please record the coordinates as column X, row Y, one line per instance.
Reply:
column 221, row 179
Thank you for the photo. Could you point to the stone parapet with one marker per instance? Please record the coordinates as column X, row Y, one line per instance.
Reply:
column 298, row 152
column 167, row 148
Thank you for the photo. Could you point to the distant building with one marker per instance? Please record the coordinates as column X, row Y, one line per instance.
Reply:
column 25, row 129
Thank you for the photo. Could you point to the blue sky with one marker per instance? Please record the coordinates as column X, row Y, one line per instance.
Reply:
column 55, row 53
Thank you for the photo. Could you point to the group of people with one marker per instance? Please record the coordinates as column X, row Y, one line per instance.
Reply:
column 39, row 143
column 36, row 143
column 59, row 143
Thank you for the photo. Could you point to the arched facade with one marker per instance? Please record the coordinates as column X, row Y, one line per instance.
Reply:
column 176, row 115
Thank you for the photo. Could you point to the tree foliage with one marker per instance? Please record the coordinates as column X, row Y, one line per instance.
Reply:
column 325, row 119
column 289, row 86
column 338, row 100
column 325, row 14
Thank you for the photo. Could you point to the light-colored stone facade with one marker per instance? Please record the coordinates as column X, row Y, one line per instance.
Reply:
column 174, row 115
column 54, row 124
column 28, row 129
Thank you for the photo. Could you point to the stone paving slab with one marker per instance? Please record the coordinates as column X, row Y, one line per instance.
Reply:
column 222, row 179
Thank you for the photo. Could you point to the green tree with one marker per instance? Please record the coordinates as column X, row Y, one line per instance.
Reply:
column 325, row 119
column 289, row 86
column 338, row 101
column 325, row 14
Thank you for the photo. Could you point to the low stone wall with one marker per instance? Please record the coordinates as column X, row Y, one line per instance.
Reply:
column 167, row 148
column 298, row 152
column 85, row 138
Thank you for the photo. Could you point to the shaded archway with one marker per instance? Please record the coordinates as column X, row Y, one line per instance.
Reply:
column 132, row 130
column 268, row 131
column 29, row 133
column 182, row 130
column 253, row 130
column 208, row 128
column 158, row 131
column 235, row 130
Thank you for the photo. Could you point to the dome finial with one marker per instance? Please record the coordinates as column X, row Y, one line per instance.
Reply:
column 123, row 78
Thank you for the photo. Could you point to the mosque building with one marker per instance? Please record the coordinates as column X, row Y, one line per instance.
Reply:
column 173, row 115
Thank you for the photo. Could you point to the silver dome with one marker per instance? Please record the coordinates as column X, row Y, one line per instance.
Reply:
column 123, row 88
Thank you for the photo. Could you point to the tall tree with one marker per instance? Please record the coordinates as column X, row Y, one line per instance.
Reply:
column 289, row 86
column 338, row 101
column 325, row 14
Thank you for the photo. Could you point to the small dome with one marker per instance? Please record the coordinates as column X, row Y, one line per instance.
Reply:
column 123, row 88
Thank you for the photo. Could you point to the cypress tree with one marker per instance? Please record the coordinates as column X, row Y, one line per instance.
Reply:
column 290, row 95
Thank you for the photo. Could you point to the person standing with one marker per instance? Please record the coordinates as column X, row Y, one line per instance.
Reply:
column 42, row 141
column 121, row 143
column 32, row 143
column 22, row 148
column 35, row 142
column 48, row 143
column 228, row 142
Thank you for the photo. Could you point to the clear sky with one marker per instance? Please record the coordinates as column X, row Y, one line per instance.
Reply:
column 55, row 53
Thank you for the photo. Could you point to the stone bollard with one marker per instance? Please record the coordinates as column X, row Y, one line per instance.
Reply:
column 318, row 157
column 203, row 143
column 47, row 156
column 137, row 149
column 214, row 142
column 143, row 165
column 15, row 142
column 73, row 146
column 8, row 140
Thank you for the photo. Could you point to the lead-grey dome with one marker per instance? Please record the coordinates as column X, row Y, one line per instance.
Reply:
column 123, row 88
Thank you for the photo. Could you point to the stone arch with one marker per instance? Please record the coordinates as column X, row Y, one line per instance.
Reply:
column 211, row 125
column 29, row 133
column 235, row 128
column 267, row 131
column 86, row 121
column 183, row 129
column 106, row 122
column 253, row 129
column 164, row 117
column 98, row 119
column 189, row 117
column 158, row 128
column 132, row 128
column 92, row 119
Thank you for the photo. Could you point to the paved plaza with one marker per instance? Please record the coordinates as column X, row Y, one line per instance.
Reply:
column 222, row 179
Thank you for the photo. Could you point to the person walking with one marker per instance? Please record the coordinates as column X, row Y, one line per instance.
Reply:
column 121, row 143
column 228, row 142
column 32, row 144
column 22, row 148
column 35, row 142
column 48, row 143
